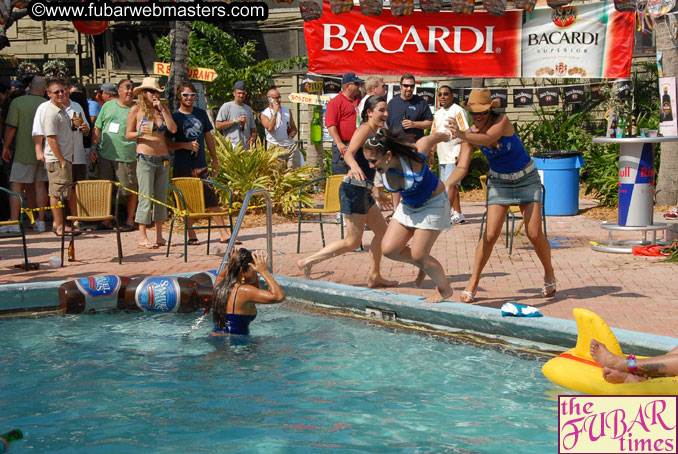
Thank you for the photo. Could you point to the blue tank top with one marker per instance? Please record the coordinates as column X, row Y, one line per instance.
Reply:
column 234, row 323
column 510, row 156
column 418, row 186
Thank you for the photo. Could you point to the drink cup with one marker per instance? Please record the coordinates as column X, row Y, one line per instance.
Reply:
column 54, row 261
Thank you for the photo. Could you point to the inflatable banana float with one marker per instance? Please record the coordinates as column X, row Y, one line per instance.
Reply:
column 576, row 369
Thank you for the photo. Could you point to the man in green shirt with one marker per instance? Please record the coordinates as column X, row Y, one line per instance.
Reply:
column 117, row 156
column 27, row 170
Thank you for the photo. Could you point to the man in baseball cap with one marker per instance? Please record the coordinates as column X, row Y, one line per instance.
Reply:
column 340, row 118
column 108, row 91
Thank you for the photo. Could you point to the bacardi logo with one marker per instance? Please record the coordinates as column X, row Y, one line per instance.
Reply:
column 564, row 16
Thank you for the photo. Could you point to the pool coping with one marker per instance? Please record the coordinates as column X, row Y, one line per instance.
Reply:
column 459, row 316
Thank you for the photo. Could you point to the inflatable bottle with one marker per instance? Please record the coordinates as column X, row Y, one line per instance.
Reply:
column 205, row 278
column 9, row 437
column 92, row 293
column 167, row 294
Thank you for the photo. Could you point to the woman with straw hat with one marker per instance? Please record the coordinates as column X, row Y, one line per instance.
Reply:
column 147, row 123
column 513, row 180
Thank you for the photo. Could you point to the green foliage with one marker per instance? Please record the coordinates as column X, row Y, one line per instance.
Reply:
column 211, row 47
column 258, row 167
column 478, row 167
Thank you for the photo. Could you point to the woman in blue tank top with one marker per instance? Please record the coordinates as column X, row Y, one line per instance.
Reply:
column 513, row 180
column 424, row 211
column 236, row 292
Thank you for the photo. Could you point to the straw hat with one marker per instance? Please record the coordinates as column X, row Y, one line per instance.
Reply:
column 480, row 100
column 149, row 83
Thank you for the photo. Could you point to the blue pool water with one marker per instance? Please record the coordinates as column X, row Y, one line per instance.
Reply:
column 130, row 383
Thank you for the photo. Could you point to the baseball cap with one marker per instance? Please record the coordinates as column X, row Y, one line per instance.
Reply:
column 351, row 77
column 15, row 84
column 239, row 85
column 109, row 87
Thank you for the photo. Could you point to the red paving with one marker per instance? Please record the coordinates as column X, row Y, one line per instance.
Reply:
column 635, row 293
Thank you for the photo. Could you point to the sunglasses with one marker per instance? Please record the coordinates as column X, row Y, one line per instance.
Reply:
column 408, row 85
column 444, row 93
column 374, row 141
column 127, row 86
column 189, row 95
column 484, row 112
column 58, row 92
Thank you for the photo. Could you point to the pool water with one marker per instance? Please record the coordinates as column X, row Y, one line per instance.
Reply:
column 302, row 382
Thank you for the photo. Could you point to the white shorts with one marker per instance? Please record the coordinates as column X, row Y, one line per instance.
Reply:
column 27, row 173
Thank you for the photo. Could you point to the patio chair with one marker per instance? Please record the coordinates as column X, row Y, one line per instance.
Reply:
column 511, row 215
column 331, row 206
column 190, row 197
column 93, row 199
column 20, row 223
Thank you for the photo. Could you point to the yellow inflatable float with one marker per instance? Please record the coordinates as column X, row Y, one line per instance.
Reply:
column 576, row 369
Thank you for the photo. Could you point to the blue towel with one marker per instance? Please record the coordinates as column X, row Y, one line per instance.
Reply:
column 519, row 310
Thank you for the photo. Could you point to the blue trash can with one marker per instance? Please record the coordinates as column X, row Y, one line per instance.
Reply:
column 559, row 173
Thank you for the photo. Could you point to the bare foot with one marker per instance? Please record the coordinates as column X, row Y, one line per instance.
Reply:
column 615, row 376
column 305, row 268
column 380, row 282
column 605, row 358
column 419, row 279
column 437, row 297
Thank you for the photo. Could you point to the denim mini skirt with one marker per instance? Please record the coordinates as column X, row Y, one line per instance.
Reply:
column 514, row 192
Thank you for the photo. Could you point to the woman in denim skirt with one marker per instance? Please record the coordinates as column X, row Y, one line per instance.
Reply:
column 357, row 201
column 513, row 180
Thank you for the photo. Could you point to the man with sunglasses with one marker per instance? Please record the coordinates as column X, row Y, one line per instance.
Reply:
column 409, row 114
column 341, row 120
column 194, row 134
column 117, row 156
column 448, row 152
column 280, row 129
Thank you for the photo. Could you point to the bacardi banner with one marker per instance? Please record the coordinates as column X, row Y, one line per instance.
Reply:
column 583, row 41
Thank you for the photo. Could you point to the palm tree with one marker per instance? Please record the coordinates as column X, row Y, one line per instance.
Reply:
column 179, row 37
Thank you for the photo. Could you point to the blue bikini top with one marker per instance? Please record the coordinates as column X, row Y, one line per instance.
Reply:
column 161, row 128
column 418, row 186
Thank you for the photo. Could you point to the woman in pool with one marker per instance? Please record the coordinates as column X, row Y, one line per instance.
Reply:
column 513, row 180
column 357, row 204
column 236, row 292
column 617, row 369
column 424, row 210
column 147, row 123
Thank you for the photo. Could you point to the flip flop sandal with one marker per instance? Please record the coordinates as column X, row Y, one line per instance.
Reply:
column 148, row 246
column 548, row 290
column 468, row 297
column 193, row 242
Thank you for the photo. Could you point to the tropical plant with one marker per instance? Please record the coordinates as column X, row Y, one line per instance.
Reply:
column 211, row 47
column 259, row 167
column 26, row 71
column 55, row 69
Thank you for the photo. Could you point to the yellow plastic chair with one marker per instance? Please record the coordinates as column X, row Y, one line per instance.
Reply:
column 190, row 197
column 94, row 200
column 20, row 223
column 331, row 206
column 511, row 214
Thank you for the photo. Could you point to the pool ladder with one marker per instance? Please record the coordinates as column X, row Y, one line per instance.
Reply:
column 241, row 216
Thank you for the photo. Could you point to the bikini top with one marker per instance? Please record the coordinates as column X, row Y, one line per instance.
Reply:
column 234, row 323
column 509, row 156
column 162, row 128
column 418, row 186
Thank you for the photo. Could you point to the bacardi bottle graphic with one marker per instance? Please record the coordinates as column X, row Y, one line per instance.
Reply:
column 667, row 114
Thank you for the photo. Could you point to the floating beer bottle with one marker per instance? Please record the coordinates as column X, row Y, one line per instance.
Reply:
column 205, row 278
column 92, row 293
column 167, row 294
column 9, row 437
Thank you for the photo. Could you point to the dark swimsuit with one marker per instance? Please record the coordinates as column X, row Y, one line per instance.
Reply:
column 235, row 323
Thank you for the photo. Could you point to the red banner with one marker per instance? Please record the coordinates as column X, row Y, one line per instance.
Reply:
column 479, row 45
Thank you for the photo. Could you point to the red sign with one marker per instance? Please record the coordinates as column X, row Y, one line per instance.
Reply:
column 479, row 45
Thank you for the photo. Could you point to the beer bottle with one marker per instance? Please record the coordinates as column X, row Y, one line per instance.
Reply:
column 621, row 131
column 167, row 294
column 205, row 278
column 71, row 251
column 9, row 437
column 92, row 293
column 629, row 128
column 73, row 120
column 613, row 126
column 634, row 127
column 316, row 128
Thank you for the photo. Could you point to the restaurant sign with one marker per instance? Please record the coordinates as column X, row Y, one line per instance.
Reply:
column 582, row 41
column 203, row 74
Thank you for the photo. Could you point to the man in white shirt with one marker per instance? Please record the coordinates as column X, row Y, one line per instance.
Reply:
column 280, row 129
column 374, row 85
column 448, row 152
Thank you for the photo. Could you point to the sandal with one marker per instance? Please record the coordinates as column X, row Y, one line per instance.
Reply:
column 468, row 297
column 548, row 290
column 148, row 245
column 193, row 242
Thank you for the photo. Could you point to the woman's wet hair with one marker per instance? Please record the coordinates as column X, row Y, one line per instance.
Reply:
column 384, row 140
column 371, row 104
column 239, row 259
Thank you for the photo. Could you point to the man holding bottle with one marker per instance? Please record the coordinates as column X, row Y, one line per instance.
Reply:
column 409, row 113
column 236, row 120
column 280, row 129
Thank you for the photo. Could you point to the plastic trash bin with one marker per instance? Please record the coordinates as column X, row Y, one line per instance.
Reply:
column 559, row 173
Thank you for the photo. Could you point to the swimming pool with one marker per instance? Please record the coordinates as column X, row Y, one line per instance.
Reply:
column 120, row 383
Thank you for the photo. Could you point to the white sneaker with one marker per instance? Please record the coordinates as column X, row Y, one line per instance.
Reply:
column 12, row 228
column 458, row 218
column 39, row 226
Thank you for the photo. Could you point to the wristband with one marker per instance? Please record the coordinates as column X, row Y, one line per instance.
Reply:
column 632, row 364
column 139, row 132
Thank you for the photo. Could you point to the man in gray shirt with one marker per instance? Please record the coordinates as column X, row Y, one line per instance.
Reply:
column 235, row 118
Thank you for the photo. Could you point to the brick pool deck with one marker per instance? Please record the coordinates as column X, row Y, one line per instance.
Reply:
column 635, row 293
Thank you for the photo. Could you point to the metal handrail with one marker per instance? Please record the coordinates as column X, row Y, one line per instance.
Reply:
column 241, row 216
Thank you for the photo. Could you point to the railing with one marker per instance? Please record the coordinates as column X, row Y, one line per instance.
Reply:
column 241, row 216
